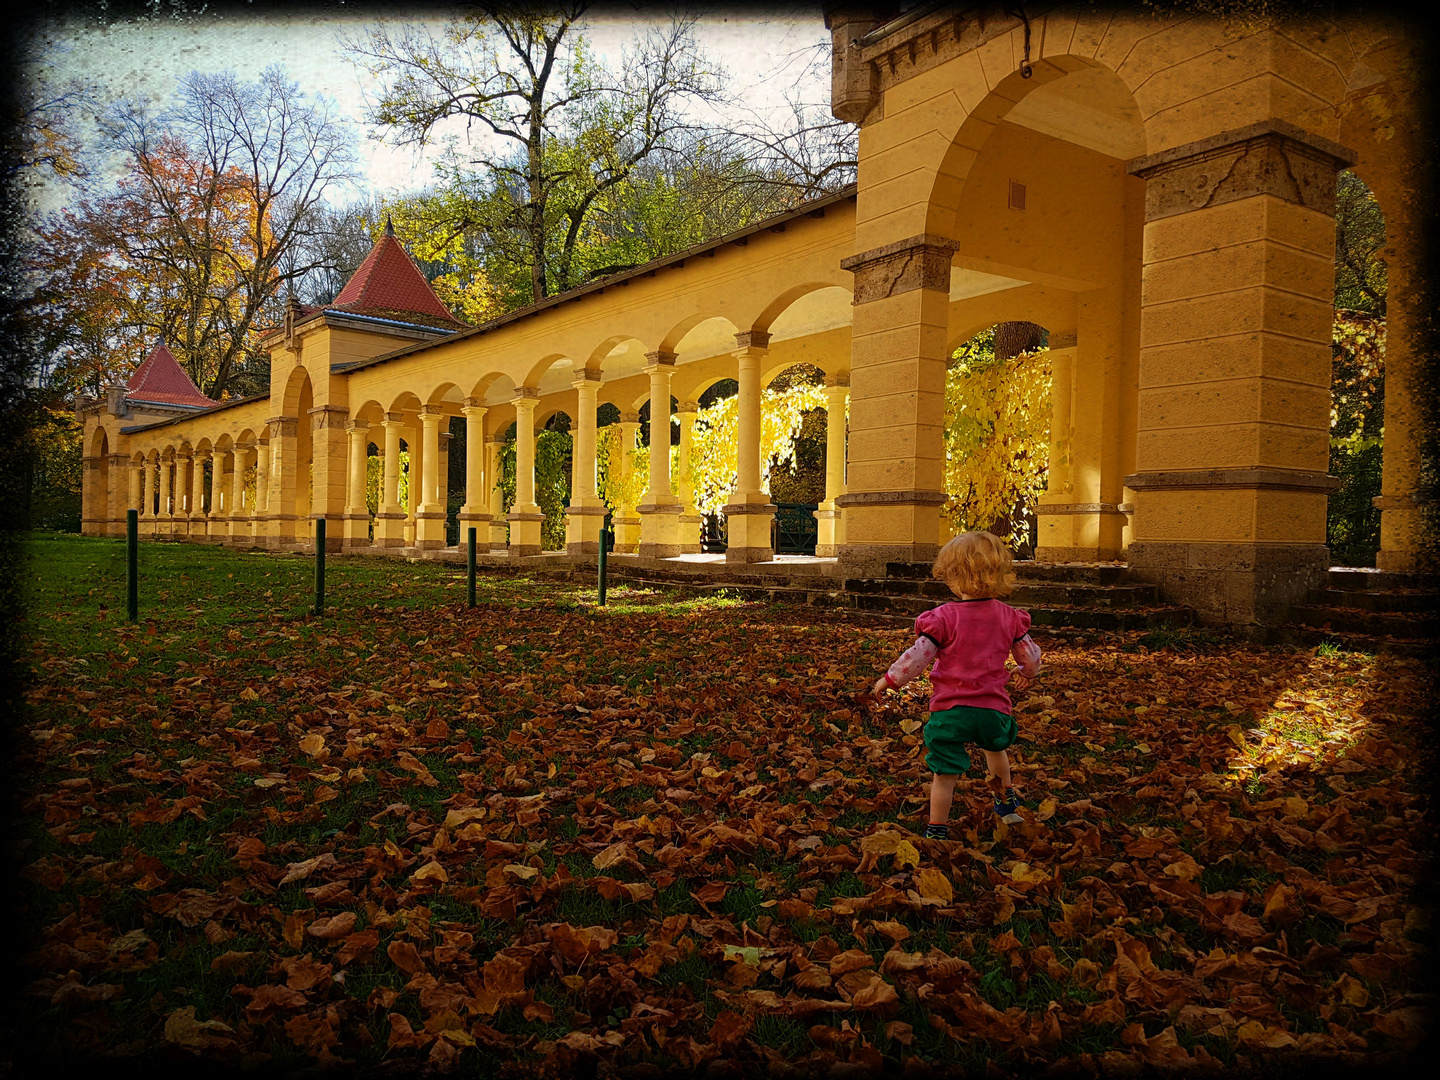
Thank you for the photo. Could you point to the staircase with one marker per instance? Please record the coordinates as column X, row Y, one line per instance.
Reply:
column 1367, row 611
column 1064, row 599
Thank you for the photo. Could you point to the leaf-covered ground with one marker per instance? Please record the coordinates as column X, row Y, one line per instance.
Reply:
column 540, row 835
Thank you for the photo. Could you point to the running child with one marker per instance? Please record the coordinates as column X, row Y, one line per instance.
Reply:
column 968, row 640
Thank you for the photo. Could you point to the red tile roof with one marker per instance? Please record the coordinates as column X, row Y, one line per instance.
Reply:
column 388, row 284
column 161, row 379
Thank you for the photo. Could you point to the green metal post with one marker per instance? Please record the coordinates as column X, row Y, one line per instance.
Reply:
column 320, row 566
column 470, row 563
column 132, row 565
column 604, row 538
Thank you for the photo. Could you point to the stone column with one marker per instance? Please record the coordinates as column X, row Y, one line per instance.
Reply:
column 499, row 524
column 525, row 516
column 1234, row 397
column 585, row 515
column 899, row 348
column 390, row 520
column 285, row 479
column 240, row 514
column 660, row 513
column 429, row 510
column 749, row 513
column 357, row 512
column 167, row 508
column 690, row 521
column 442, row 493
column 200, row 518
column 624, row 519
column 475, row 512
column 148, row 481
column 1067, row 529
column 829, row 518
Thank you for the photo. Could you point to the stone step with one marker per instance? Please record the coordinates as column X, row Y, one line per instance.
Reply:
column 1403, row 625
column 1413, row 600
column 1307, row 637
column 1359, row 579
column 1088, row 616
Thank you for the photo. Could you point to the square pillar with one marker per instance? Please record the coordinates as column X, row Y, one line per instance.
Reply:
column 585, row 515
column 829, row 518
column 282, row 520
column 329, row 473
column 525, row 517
column 1402, row 510
column 1233, row 440
column 899, row 349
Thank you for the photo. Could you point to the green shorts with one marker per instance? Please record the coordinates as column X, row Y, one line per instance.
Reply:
column 947, row 734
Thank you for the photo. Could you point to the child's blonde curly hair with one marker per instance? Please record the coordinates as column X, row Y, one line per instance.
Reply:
column 976, row 564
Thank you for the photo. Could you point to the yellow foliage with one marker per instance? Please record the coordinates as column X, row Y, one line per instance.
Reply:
column 714, row 466
column 997, row 437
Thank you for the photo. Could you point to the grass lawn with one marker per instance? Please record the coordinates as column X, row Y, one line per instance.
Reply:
column 526, row 836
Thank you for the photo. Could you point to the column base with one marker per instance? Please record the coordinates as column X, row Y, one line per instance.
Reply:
column 582, row 547
column 520, row 551
column 525, row 532
column 1075, row 554
column 1236, row 584
column 658, row 551
column 627, row 534
column 871, row 560
column 749, row 554
column 827, row 551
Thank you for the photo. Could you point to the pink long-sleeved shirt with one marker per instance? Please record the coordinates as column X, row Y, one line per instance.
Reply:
column 968, row 642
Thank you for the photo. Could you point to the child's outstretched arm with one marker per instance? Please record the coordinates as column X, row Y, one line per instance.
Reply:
column 1027, row 655
column 911, row 663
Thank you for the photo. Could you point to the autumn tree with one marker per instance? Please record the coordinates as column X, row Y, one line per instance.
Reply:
column 209, row 223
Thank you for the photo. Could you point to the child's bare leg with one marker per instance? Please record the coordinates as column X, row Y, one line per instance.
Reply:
column 998, row 761
column 942, row 793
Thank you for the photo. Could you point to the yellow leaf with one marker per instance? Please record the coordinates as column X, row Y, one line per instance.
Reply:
column 313, row 744
column 524, row 873
column 249, row 695
column 431, row 871
column 1022, row 872
column 933, row 884
column 906, row 855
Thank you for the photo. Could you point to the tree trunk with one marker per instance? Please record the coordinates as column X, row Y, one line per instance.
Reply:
column 1011, row 340
column 1014, row 338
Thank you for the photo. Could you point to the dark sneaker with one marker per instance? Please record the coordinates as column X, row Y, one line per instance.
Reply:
column 1007, row 809
column 937, row 832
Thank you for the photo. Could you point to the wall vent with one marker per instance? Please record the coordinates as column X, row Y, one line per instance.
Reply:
column 1017, row 195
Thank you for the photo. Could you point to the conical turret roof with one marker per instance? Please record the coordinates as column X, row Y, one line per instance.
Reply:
column 162, row 380
column 389, row 285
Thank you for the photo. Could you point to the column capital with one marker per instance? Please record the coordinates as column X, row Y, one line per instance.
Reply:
column 283, row 427
column 659, row 360
column 445, row 437
column 393, row 419
column 687, row 407
column 357, row 427
column 202, row 455
column 591, row 373
column 1272, row 157
column 917, row 262
column 430, row 412
column 327, row 416
column 496, row 439
column 473, row 409
column 838, row 379
column 752, row 339
column 631, row 417
column 526, row 397
column 587, row 381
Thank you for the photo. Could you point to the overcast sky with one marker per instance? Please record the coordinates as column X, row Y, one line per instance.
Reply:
column 764, row 53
